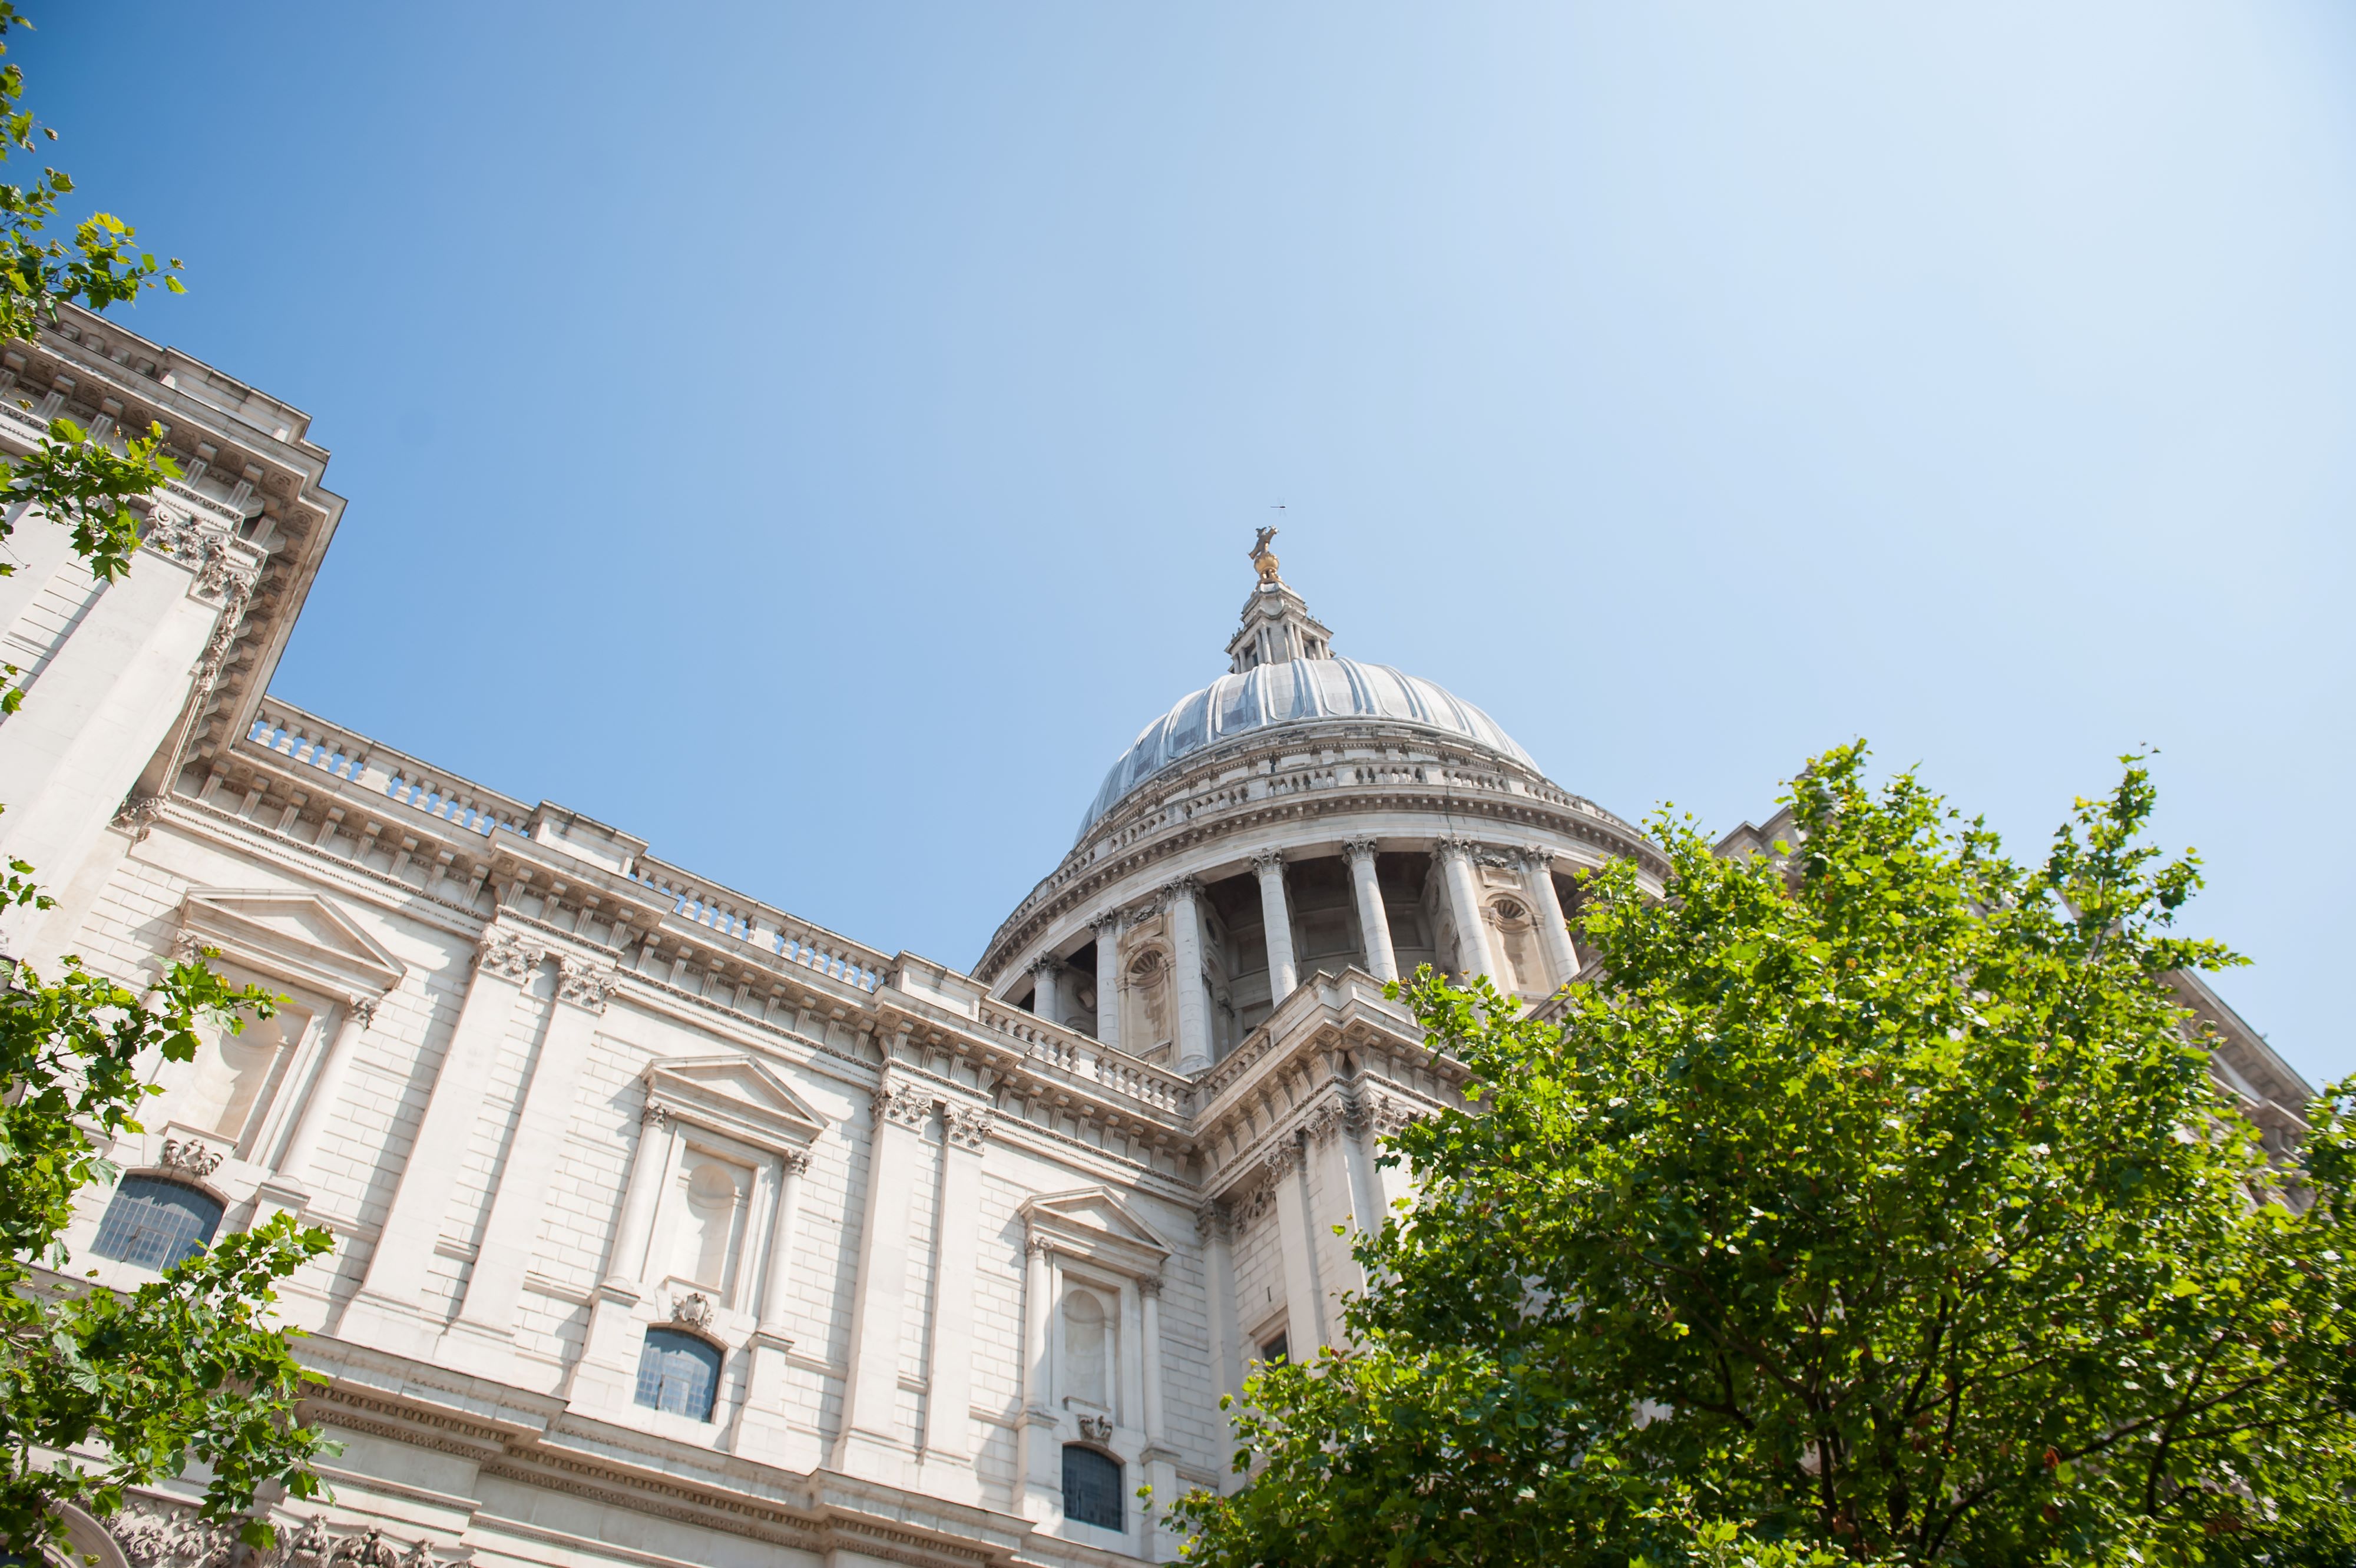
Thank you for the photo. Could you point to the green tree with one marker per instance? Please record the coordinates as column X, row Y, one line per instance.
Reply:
column 1875, row 1204
column 189, row 1369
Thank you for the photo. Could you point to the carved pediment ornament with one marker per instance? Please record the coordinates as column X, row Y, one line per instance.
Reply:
column 1093, row 1225
column 298, row 937
column 190, row 1157
column 737, row 1096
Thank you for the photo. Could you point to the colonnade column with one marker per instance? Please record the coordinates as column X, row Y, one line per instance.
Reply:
column 482, row 1336
column 1046, row 999
column 1554, row 930
column 385, row 1312
column 1455, row 857
column 1374, row 921
column 1107, row 929
column 1275, row 915
column 870, row 1445
column 1186, row 959
column 948, row 1361
column 760, row 1432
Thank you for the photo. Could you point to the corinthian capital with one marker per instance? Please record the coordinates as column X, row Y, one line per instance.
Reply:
column 1358, row 849
column 508, row 955
column 897, row 1100
column 1267, row 860
column 1454, row 849
column 585, row 984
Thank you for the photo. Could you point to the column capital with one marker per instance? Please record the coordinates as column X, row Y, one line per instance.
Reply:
column 1108, row 924
column 508, row 954
column 585, row 984
column 1150, row 1286
column 364, row 1011
column 1536, row 856
column 969, row 1125
column 1186, row 887
column 1358, row 849
column 656, row 1114
column 1210, row 1219
column 795, row 1160
column 1047, row 964
column 1267, row 860
column 897, row 1100
column 1455, row 848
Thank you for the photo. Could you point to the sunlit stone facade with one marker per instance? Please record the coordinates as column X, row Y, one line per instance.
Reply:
column 671, row 1228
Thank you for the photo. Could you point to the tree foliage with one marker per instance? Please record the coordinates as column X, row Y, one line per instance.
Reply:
column 188, row 1369
column 1875, row 1204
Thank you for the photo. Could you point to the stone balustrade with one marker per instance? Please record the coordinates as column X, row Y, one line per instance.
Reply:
column 1068, row 1051
column 379, row 770
column 718, row 910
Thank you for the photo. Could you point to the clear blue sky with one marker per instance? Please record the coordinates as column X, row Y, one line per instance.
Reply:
column 818, row 438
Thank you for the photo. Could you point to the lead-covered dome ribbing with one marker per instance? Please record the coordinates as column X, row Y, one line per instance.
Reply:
column 1296, row 690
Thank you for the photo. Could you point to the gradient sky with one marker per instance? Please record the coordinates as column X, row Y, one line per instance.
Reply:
column 818, row 439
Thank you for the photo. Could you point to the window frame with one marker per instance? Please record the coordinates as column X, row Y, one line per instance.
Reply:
column 151, row 1179
column 685, row 1339
column 1115, row 1495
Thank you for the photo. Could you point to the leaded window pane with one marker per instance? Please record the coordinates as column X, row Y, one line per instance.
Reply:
column 1092, row 1487
column 155, row 1223
column 679, row 1372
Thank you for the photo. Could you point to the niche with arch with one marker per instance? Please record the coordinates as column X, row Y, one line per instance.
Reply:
column 1516, row 937
column 1089, row 1346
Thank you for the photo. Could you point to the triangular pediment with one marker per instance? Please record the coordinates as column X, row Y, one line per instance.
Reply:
column 1091, row 1222
column 735, row 1094
column 299, row 935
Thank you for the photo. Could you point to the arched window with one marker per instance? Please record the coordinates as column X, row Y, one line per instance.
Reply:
column 1085, row 1354
column 155, row 1223
column 679, row 1372
column 1092, row 1487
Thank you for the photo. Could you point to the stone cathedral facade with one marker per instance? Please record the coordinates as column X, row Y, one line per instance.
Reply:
column 671, row 1228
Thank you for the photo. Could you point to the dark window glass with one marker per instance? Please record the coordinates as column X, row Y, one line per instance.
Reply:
column 1274, row 1351
column 155, row 1223
column 679, row 1372
column 1092, row 1486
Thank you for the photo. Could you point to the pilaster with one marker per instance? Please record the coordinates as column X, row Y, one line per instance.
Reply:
column 760, row 1432
column 949, row 1364
column 482, row 1336
column 389, row 1309
column 871, row 1446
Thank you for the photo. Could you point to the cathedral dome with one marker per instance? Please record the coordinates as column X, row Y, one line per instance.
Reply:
column 1296, row 691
